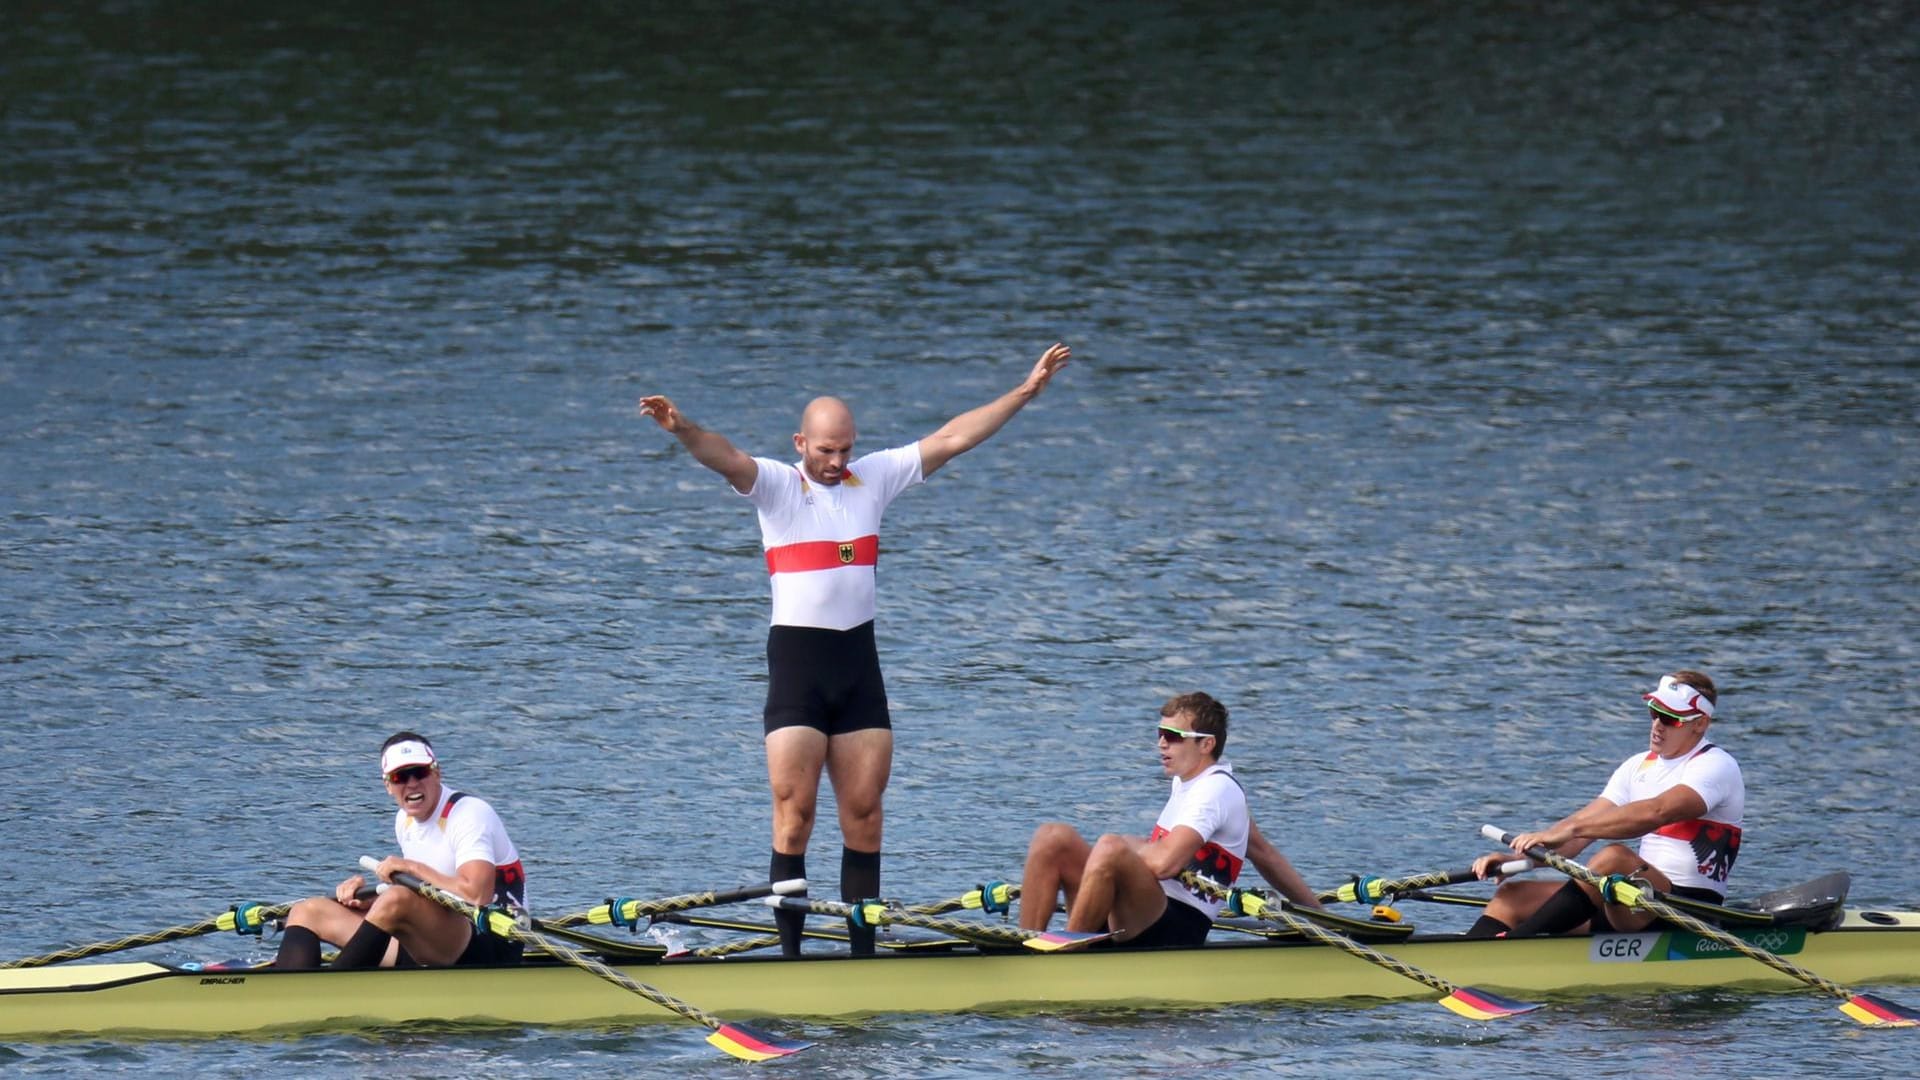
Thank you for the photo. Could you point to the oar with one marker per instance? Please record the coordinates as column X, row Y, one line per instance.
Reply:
column 241, row 919
column 739, row 1040
column 1865, row 1008
column 995, row 898
column 628, row 913
column 1369, row 889
column 1474, row 1004
column 874, row 913
column 767, row 936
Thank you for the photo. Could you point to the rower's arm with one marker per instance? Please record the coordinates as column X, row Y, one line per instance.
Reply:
column 1640, row 817
column 1170, row 854
column 472, row 880
column 975, row 426
column 1277, row 870
column 709, row 448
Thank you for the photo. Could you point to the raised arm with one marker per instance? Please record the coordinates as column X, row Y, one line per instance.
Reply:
column 709, row 448
column 1277, row 870
column 975, row 426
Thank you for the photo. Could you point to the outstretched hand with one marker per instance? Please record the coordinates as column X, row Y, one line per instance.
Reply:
column 663, row 412
column 1050, row 362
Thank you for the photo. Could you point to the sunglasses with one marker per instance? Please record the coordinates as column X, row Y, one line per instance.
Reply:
column 1666, row 718
column 1174, row 734
column 409, row 774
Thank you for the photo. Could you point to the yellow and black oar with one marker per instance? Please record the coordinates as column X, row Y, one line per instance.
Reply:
column 1865, row 1008
column 994, row 898
column 1467, row 1001
column 875, row 913
column 1367, row 890
column 740, row 1040
column 628, row 913
column 245, row 919
column 767, row 936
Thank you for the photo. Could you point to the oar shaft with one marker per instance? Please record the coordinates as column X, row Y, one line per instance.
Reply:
column 625, row 912
column 1280, row 910
column 226, row 920
column 881, row 915
column 1370, row 889
column 994, row 897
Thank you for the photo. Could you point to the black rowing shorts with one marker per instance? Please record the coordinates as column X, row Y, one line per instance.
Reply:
column 489, row 948
column 828, row 680
column 1181, row 924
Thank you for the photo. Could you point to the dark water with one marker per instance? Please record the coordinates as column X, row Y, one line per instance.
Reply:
column 1443, row 375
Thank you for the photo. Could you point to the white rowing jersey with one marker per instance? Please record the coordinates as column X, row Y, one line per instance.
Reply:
column 823, row 542
column 1697, row 853
column 460, row 830
column 1213, row 805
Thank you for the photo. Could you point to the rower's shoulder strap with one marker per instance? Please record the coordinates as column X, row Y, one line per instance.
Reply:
column 446, row 808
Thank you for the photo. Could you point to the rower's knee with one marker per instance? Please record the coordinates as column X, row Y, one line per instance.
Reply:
column 1616, row 859
column 1108, row 851
column 307, row 912
column 1053, row 840
column 792, row 824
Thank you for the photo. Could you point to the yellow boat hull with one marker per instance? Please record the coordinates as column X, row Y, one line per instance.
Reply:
column 151, row 999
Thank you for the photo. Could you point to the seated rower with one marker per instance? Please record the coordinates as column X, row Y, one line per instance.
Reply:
column 447, row 838
column 1129, row 884
column 1685, row 801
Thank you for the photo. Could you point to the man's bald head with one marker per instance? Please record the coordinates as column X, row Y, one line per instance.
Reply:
column 825, row 440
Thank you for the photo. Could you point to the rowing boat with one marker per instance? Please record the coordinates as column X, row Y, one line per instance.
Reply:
column 149, row 999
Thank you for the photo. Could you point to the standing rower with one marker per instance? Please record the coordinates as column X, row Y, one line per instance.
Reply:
column 826, row 702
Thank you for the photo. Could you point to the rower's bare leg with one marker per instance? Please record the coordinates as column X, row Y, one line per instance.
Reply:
column 1117, row 891
column 859, row 764
column 795, row 756
column 434, row 936
column 1056, row 856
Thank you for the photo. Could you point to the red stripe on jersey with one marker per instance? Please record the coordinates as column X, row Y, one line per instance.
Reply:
column 1688, row 830
column 1209, row 861
column 823, row 555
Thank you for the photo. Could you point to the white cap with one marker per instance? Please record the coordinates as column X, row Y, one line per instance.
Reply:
column 402, row 754
column 1680, row 699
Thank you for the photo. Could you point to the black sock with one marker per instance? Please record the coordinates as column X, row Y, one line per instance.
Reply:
column 1562, row 912
column 365, row 949
column 859, row 880
column 780, row 868
column 1486, row 926
column 299, row 949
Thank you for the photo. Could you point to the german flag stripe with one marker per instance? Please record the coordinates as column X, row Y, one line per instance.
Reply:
column 823, row 555
column 1481, row 1005
column 752, row 1044
column 1879, row 1012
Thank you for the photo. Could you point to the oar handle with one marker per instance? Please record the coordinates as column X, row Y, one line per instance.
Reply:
column 1496, row 834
